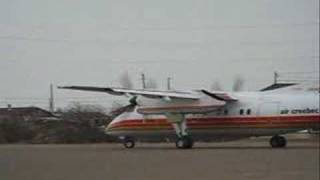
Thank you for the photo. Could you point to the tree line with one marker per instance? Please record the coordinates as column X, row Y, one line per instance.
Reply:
column 75, row 124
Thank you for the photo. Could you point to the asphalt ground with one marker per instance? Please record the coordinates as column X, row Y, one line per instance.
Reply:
column 245, row 159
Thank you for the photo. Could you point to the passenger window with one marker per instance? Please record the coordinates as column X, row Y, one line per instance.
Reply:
column 225, row 112
column 248, row 111
column 241, row 111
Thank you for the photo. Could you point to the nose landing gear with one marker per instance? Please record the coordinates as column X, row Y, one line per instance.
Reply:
column 128, row 142
column 278, row 141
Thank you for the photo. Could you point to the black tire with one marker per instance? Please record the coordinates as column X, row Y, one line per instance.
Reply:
column 282, row 141
column 278, row 142
column 185, row 142
column 129, row 143
column 189, row 143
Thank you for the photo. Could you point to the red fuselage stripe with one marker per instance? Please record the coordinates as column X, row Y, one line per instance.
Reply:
column 211, row 122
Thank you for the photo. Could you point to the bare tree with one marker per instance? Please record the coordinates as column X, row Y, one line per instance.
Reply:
column 216, row 86
column 125, row 80
column 151, row 83
column 238, row 83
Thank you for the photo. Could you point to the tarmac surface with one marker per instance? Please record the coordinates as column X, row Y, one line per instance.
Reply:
column 246, row 159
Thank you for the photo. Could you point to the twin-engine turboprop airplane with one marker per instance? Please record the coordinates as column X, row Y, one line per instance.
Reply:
column 188, row 116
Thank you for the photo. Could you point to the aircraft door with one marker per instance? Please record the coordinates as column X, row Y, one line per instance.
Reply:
column 269, row 109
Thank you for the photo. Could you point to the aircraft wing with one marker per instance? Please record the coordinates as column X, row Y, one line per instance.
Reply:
column 134, row 92
column 178, row 101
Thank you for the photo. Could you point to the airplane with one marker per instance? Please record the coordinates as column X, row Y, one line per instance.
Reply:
column 202, row 115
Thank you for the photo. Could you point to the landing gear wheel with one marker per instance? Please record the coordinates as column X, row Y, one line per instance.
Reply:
column 129, row 143
column 278, row 141
column 185, row 142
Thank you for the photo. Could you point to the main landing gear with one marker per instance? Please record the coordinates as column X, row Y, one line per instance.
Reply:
column 184, row 142
column 278, row 141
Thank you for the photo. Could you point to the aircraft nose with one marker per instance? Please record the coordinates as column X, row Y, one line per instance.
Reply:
column 108, row 128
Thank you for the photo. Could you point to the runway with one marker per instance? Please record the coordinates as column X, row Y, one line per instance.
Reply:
column 247, row 159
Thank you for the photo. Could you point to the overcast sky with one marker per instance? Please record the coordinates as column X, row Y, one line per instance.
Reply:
column 79, row 42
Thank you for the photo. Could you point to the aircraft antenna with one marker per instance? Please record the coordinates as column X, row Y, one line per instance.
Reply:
column 169, row 83
column 143, row 79
column 51, row 99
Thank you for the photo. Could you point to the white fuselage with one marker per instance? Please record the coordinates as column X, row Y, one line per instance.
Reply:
column 254, row 114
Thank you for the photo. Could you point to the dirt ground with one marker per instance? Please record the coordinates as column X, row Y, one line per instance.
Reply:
column 247, row 159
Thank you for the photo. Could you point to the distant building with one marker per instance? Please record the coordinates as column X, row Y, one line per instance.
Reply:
column 26, row 114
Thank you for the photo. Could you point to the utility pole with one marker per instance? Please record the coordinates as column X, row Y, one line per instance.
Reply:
column 169, row 83
column 143, row 79
column 51, row 99
column 275, row 77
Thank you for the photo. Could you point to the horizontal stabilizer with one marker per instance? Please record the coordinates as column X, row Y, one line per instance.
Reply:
column 277, row 86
